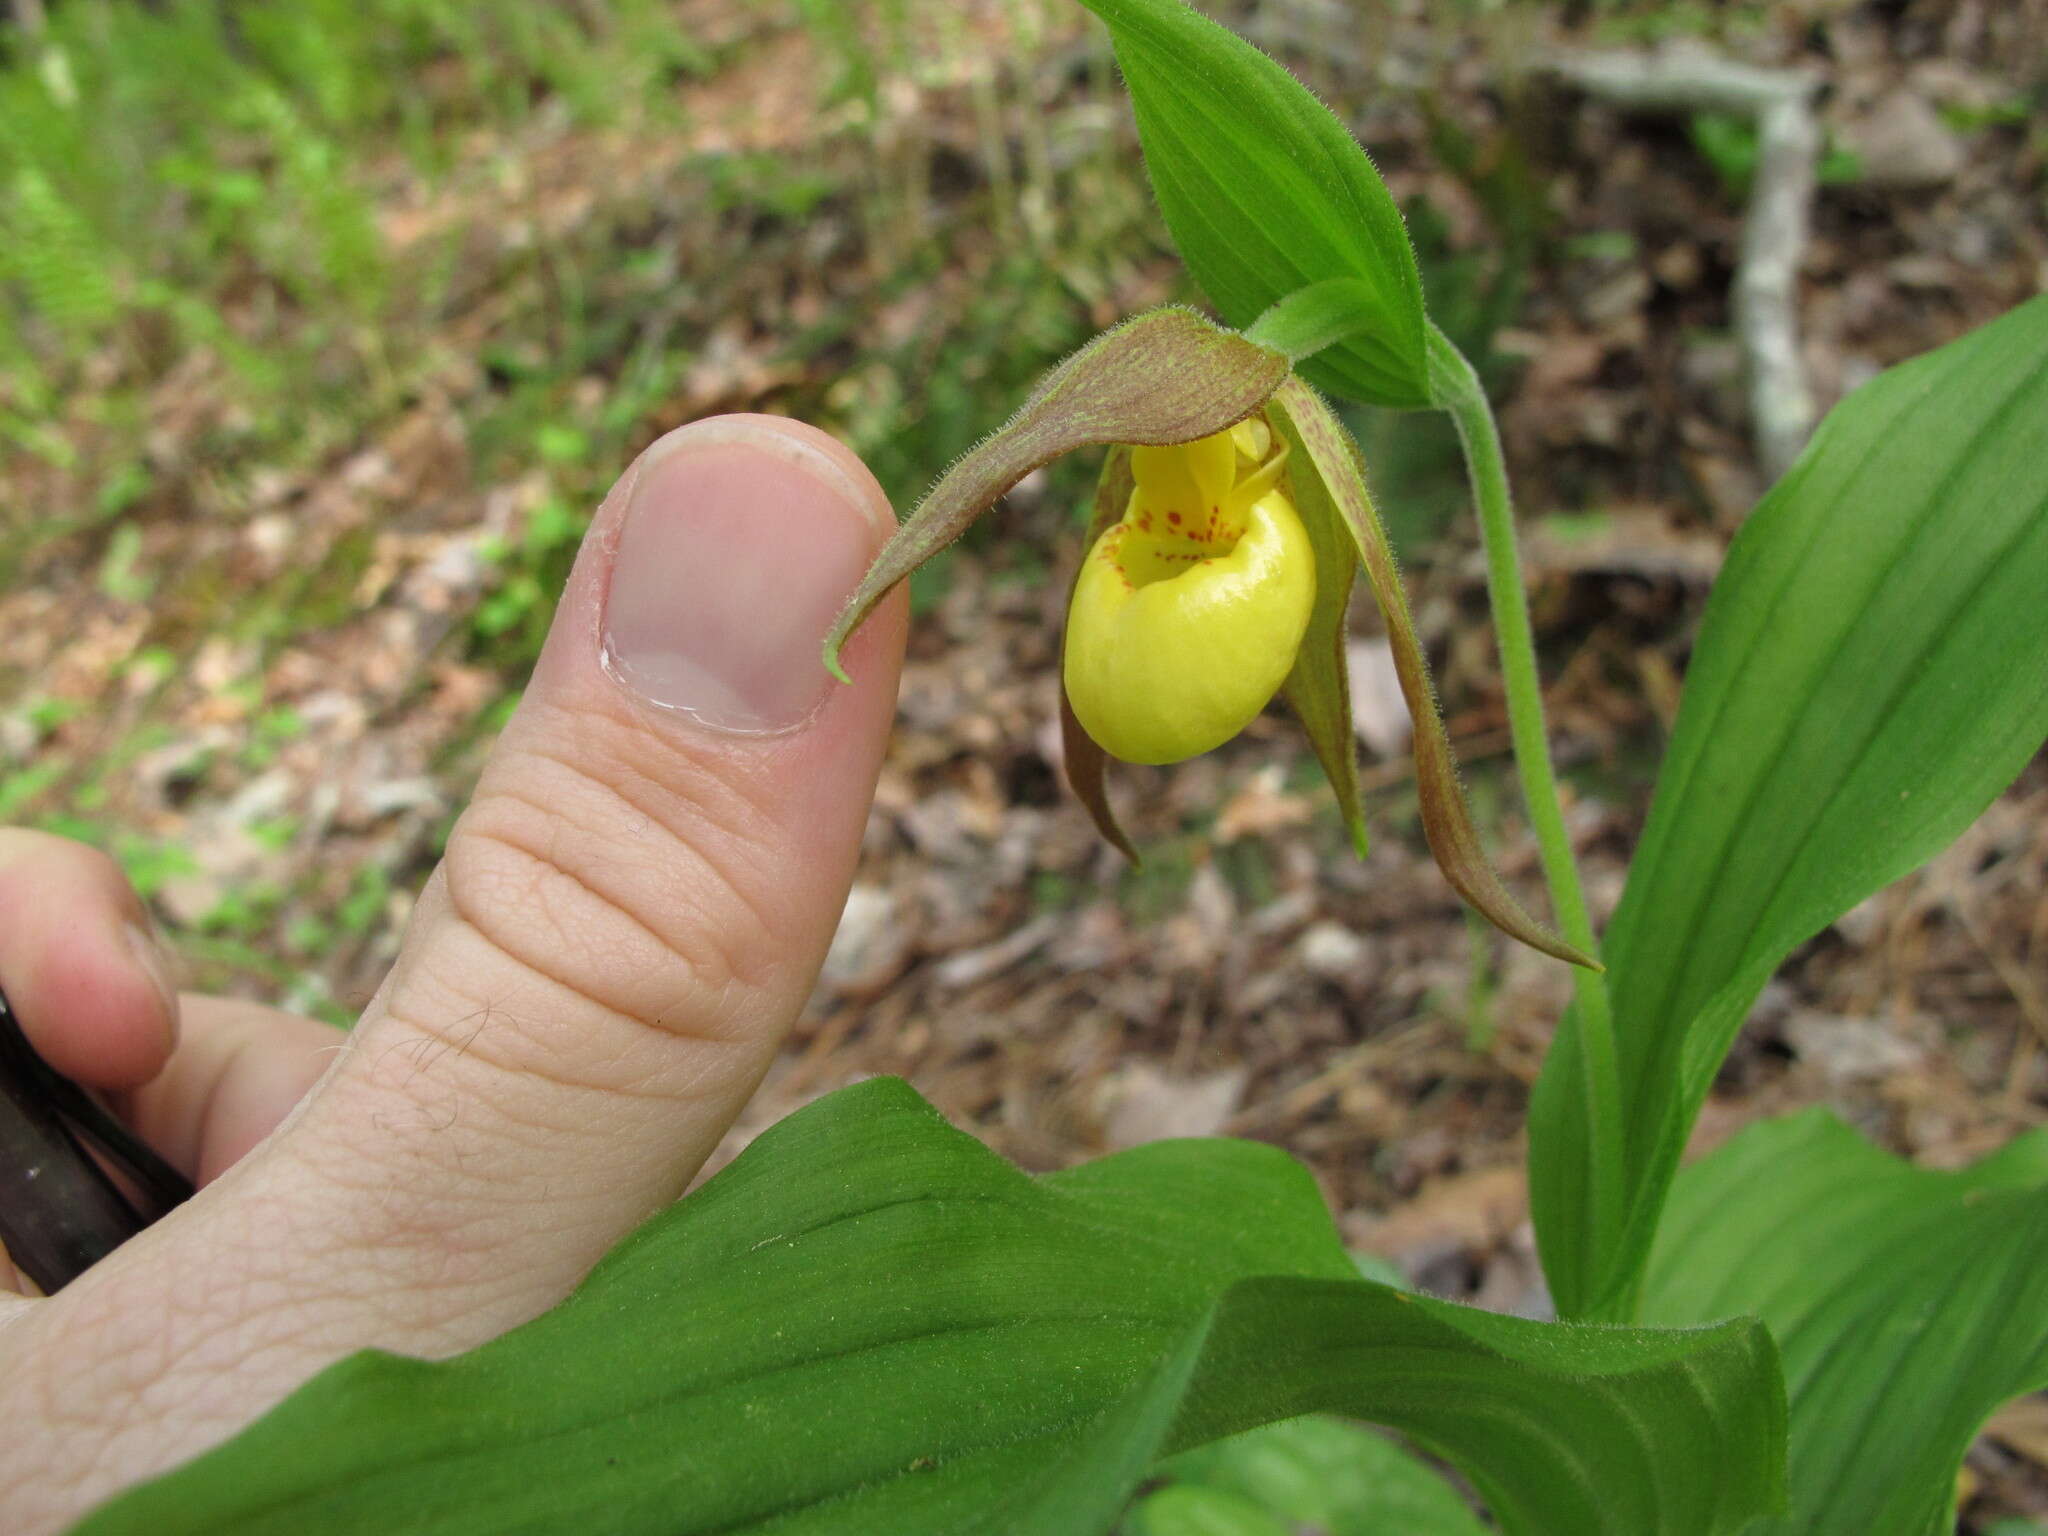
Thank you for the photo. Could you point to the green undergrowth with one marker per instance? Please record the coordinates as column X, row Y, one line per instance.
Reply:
column 291, row 222
column 216, row 180
column 296, row 215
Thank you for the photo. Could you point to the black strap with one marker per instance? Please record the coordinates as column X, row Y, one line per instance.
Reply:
column 60, row 1210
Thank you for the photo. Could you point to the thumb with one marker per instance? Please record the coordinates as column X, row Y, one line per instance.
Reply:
column 635, row 905
column 627, row 919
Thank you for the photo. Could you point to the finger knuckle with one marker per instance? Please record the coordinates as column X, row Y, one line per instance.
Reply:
column 609, row 881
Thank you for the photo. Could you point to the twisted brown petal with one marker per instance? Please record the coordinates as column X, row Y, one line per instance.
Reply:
column 1329, row 475
column 1086, row 762
column 1168, row 376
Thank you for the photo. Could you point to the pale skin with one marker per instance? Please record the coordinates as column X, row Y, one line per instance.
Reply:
column 628, row 918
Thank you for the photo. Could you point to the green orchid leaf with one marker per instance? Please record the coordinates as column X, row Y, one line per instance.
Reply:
column 1872, row 670
column 1168, row 376
column 1328, row 480
column 1908, row 1303
column 1186, row 1510
column 1321, row 1473
column 1613, row 1454
column 1087, row 764
column 1266, row 193
column 870, row 1325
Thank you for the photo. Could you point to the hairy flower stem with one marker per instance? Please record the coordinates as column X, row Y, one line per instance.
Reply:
column 1458, row 390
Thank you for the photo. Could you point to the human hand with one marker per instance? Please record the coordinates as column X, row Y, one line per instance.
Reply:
column 628, row 917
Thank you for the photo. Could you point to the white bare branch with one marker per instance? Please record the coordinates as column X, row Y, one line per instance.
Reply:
column 1690, row 78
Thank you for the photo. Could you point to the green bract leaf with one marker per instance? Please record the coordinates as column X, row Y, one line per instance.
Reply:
column 1266, row 193
column 1333, row 1477
column 1909, row 1304
column 1328, row 479
column 870, row 1325
column 1169, row 376
column 1872, row 670
column 1312, row 318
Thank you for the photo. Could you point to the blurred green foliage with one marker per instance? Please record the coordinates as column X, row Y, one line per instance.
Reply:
column 148, row 154
column 306, row 219
column 290, row 228
column 246, row 182
column 1731, row 145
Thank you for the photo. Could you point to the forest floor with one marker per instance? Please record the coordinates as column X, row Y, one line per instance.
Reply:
column 265, row 669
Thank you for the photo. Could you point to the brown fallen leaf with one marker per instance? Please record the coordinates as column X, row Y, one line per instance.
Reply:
column 1261, row 807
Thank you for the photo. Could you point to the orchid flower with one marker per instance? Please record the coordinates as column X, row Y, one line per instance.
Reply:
column 1189, row 610
column 1230, row 521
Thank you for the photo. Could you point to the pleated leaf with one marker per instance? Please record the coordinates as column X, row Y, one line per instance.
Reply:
column 1266, row 193
column 1909, row 1304
column 870, row 1325
column 1872, row 670
column 1321, row 1473
column 1185, row 1510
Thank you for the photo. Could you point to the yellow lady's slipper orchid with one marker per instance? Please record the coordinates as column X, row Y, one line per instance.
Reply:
column 1207, row 591
column 1188, row 611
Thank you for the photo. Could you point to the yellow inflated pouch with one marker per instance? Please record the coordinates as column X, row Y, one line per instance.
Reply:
column 1188, row 612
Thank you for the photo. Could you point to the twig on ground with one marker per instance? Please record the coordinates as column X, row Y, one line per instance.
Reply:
column 1690, row 78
